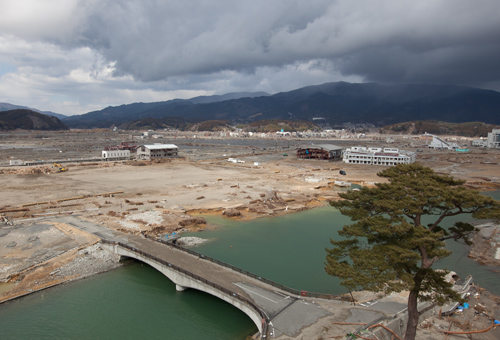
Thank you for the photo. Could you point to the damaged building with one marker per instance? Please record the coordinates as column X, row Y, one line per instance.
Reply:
column 328, row 152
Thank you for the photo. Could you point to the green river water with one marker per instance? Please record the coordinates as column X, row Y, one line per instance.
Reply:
column 137, row 302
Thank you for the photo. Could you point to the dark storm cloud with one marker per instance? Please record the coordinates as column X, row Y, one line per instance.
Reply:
column 398, row 41
column 143, row 49
column 451, row 65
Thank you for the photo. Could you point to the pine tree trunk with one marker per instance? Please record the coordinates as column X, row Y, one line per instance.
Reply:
column 413, row 315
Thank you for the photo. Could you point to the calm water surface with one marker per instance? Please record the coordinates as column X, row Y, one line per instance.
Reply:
column 136, row 301
column 131, row 302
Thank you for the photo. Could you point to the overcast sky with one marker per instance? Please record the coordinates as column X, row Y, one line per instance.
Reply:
column 76, row 56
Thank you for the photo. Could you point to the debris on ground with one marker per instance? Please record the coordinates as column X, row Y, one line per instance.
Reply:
column 191, row 241
column 231, row 213
column 192, row 221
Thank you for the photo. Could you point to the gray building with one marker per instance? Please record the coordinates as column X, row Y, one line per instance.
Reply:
column 494, row 139
column 492, row 142
column 157, row 151
column 321, row 151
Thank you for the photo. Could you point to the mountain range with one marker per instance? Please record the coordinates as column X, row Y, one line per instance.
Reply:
column 328, row 104
column 127, row 113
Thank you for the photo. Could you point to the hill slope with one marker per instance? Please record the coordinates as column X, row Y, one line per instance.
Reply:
column 469, row 129
column 116, row 115
column 29, row 120
column 8, row 107
column 337, row 103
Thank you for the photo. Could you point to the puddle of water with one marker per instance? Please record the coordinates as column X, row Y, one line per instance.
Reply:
column 4, row 287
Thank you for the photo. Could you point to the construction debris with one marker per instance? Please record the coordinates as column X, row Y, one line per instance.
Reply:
column 191, row 241
column 231, row 213
column 192, row 221
column 30, row 171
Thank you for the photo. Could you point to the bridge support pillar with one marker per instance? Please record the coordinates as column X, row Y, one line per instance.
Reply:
column 180, row 288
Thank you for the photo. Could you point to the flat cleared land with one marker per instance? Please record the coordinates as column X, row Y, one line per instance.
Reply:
column 163, row 197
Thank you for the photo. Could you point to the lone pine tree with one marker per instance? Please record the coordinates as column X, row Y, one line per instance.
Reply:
column 388, row 249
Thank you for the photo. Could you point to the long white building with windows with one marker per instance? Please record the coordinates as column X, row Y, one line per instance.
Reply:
column 114, row 155
column 377, row 156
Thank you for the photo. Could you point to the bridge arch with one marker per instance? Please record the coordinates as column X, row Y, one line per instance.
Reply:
column 183, row 280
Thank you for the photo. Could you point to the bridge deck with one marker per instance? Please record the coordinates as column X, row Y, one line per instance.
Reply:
column 288, row 314
column 212, row 272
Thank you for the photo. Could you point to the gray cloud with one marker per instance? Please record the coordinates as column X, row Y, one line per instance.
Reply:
column 229, row 45
column 443, row 41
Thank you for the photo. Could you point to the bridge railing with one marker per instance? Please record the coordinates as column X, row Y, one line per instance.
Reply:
column 265, row 319
column 250, row 274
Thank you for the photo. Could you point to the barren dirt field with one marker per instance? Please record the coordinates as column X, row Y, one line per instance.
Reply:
column 165, row 196
column 115, row 190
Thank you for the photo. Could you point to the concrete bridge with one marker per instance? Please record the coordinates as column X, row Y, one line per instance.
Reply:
column 275, row 309
column 184, row 279
column 260, row 299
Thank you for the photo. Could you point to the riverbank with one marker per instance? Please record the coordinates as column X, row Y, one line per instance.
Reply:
column 41, row 255
column 485, row 247
column 79, row 265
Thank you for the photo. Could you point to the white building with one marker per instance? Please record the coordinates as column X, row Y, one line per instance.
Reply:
column 480, row 143
column 114, row 155
column 377, row 156
column 494, row 139
column 438, row 143
column 156, row 151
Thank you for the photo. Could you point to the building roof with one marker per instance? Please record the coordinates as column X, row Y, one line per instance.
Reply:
column 160, row 146
column 385, row 152
column 327, row 147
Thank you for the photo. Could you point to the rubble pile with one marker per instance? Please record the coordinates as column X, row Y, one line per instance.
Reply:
column 191, row 241
column 486, row 244
column 29, row 171
column 89, row 261
column 192, row 221
column 231, row 213
column 148, row 217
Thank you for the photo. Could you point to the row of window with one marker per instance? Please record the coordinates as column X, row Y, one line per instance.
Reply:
column 110, row 154
column 396, row 159
column 351, row 161
column 157, row 155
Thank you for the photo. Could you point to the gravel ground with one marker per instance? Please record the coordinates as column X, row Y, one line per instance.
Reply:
column 150, row 217
column 89, row 261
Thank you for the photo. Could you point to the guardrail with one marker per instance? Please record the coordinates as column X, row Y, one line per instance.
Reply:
column 265, row 319
column 252, row 275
